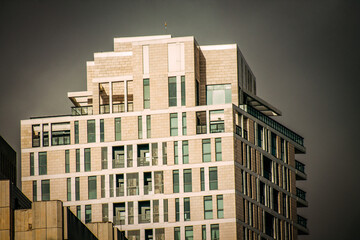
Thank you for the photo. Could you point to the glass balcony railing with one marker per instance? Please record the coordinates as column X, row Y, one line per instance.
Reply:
column 301, row 194
column 118, row 108
column 143, row 161
column 201, row 129
column 274, row 124
column 302, row 221
column 105, row 108
column 144, row 218
column 300, row 166
column 83, row 110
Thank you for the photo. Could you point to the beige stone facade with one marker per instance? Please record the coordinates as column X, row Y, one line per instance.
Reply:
column 169, row 141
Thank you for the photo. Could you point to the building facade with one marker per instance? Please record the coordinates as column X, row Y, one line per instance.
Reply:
column 169, row 141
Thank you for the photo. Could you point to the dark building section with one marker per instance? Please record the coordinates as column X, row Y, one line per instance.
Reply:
column 7, row 161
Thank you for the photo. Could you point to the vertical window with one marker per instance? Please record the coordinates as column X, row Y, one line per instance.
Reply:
column 166, row 210
column 176, row 153
column 78, row 212
column 186, row 209
column 130, row 212
column 42, row 163
column 175, row 181
column 189, row 233
column 87, row 155
column 173, row 124
column 206, row 150
column 155, row 211
column 31, row 164
column 77, row 188
column 102, row 130
column 45, row 190
column 77, row 160
column 185, row 152
column 183, row 95
column 67, row 161
column 68, row 186
column 92, row 187
column 218, row 151
column 213, row 178
column 104, row 162
column 34, row 186
column 130, row 96
column 105, row 212
column 36, row 135
column 140, row 135
column 187, row 180
column 202, row 179
column 117, row 129
column 76, row 129
column 176, row 233
column 129, row 155
column 164, row 152
column 146, row 93
column 148, row 126
column 203, row 232
column 218, row 94
column 184, row 124
column 273, row 144
column 197, row 92
column 91, row 131
column 45, row 135
column 220, row 206
column 217, row 122
column 260, row 135
column 177, row 210
column 208, row 212
column 102, row 186
column 215, row 232
column 282, row 149
column 111, row 185
column 87, row 213
column 172, row 92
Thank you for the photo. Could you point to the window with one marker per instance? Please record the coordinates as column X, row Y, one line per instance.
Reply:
column 76, row 130
column 260, row 135
column 105, row 212
column 140, row 135
column 206, row 150
column 45, row 190
column 31, row 164
column 91, row 131
column 144, row 212
column 218, row 94
column 172, row 92
column 218, row 151
column 173, row 124
column 42, row 163
column 78, row 212
column 197, row 92
column 102, row 130
column 87, row 155
column 77, row 188
column 185, row 152
column 203, row 232
column 132, row 184
column 159, row 182
column 46, row 135
column 68, row 187
column 130, row 96
column 148, row 126
column 111, row 185
column 130, row 212
column 92, row 187
column 117, row 129
column 189, row 233
column 220, row 206
column 187, row 180
column 164, row 152
column 177, row 210
column 146, row 93
column 273, row 144
column 87, row 213
column 154, row 153
column 166, row 210
column 36, row 135
column 213, row 178
column 187, row 209
column 175, row 181
column 104, row 162
column 67, row 161
column 202, row 179
column 217, row 121
column 208, row 212
column 77, row 160
column 129, row 155
column 34, row 187
column 282, row 149
column 184, row 124
column 215, row 232
column 155, row 211
column 176, row 153
column 118, row 155
column 201, row 122
column 183, row 95
column 102, row 186
column 177, row 233
column 60, row 134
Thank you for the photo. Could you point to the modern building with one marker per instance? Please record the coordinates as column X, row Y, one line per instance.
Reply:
column 170, row 141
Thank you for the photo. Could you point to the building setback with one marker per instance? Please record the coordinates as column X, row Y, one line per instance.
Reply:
column 169, row 141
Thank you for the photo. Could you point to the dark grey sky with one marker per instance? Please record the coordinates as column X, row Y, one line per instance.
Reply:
column 305, row 55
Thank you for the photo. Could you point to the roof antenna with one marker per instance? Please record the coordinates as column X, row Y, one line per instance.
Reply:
column 165, row 25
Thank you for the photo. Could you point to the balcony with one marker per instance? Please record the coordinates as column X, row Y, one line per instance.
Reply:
column 217, row 127
column 82, row 110
column 118, row 108
column 120, row 191
column 201, row 129
column 144, row 218
column 104, row 109
column 301, row 198
column 302, row 225
column 300, row 170
column 143, row 161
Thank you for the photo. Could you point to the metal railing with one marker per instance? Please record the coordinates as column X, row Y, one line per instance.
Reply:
column 144, row 218
column 143, row 161
column 300, row 166
column 217, row 127
column 118, row 108
column 104, row 108
column 301, row 194
column 82, row 110
column 201, row 129
column 302, row 221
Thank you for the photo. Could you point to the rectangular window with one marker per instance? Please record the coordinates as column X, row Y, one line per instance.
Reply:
column 102, row 130
column 183, row 95
column 220, row 206
column 259, row 136
column 76, row 130
column 130, row 96
column 176, row 153
column 31, row 164
column 197, row 92
column 208, row 212
column 87, row 213
column 166, row 210
column 91, row 136
column 77, row 188
column 67, row 161
column 187, row 180
column 215, row 232
column 36, row 135
column 218, row 94
column 45, row 190
column 140, row 135
column 184, row 124
column 202, row 179
column 172, row 92
column 217, row 123
column 42, row 163
column 177, row 233
column 218, row 150
column 173, row 124
column 117, row 129
column 129, row 155
column 187, row 209
column 77, row 160
column 92, row 187
column 282, row 149
column 206, row 150
column 68, row 187
column 146, row 93
column 132, row 184
column 148, row 126
column 189, row 233
column 185, row 152
column 78, row 212
column 46, row 135
column 273, row 144
column 203, row 232
column 164, row 152
column 175, row 181
column 177, row 210
column 102, row 186
column 155, row 211
column 104, row 162
column 159, row 182
column 213, row 178
column 201, row 121
column 130, row 212
column 34, row 191
column 105, row 212
column 111, row 185
column 87, row 156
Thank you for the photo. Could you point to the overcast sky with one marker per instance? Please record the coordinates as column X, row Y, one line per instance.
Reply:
column 304, row 54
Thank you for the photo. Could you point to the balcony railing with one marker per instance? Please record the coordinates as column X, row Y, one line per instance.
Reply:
column 300, row 166
column 132, row 191
column 143, row 161
column 301, row 194
column 119, row 191
column 274, row 124
column 238, row 130
column 119, row 221
column 118, row 108
column 217, row 127
column 119, row 163
column 144, row 218
column 82, row 110
column 302, row 221
column 105, row 108
column 201, row 129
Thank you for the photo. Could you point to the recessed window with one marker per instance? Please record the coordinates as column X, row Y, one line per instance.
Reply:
column 208, row 212
column 42, row 163
column 146, row 88
column 172, row 92
column 218, row 150
column 175, row 181
column 92, row 187
column 173, row 124
column 187, row 180
column 117, row 129
column 60, row 133
column 87, row 159
column 36, row 135
column 206, row 150
column 91, row 136
column 213, row 178
column 183, row 93
column 45, row 190
column 102, row 130
column 217, row 121
column 218, row 94
column 87, row 213
column 187, row 209
column 185, row 152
